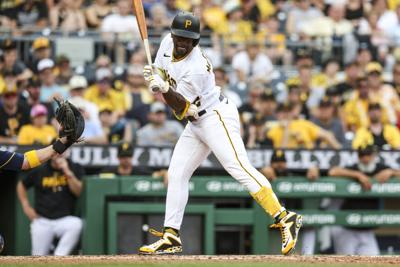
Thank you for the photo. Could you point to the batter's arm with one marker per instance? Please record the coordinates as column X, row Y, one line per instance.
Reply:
column 177, row 102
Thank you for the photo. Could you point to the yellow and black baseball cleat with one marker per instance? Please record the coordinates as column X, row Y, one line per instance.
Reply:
column 289, row 227
column 168, row 244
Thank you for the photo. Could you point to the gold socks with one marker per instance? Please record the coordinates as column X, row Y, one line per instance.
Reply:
column 267, row 199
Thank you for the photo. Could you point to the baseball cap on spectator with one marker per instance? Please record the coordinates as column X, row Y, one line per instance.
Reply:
column 374, row 106
column 38, row 110
column 332, row 91
column 292, row 83
column 278, row 156
column 62, row 59
column 45, row 63
column 103, row 74
column 125, row 149
column 366, row 150
column 373, row 67
column 268, row 96
column 157, row 107
column 77, row 82
column 325, row 102
column 34, row 82
column 284, row 107
column 8, row 44
column 9, row 89
column 40, row 43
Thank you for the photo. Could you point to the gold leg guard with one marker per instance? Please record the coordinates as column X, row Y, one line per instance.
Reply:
column 267, row 199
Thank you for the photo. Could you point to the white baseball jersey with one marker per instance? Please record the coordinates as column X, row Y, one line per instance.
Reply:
column 192, row 76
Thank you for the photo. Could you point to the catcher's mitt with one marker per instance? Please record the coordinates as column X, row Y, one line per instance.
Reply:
column 72, row 125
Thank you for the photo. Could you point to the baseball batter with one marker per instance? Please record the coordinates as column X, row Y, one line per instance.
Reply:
column 184, row 75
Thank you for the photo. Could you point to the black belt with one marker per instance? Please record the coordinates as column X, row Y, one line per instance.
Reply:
column 202, row 112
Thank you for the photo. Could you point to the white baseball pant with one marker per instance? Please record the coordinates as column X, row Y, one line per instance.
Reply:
column 218, row 131
column 354, row 242
column 43, row 231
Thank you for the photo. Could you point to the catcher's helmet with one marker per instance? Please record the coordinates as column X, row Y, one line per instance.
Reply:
column 186, row 25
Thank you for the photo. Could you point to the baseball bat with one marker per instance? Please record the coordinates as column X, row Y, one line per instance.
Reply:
column 141, row 21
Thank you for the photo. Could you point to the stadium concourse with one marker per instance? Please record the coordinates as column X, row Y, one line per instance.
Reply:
column 316, row 83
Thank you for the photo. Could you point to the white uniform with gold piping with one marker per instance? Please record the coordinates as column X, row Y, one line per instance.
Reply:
column 217, row 130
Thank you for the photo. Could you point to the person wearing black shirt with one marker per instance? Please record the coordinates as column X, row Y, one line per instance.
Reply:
column 13, row 115
column 57, row 185
column 125, row 167
column 354, row 240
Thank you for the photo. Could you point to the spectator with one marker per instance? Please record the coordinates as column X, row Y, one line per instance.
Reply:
column 93, row 133
column 31, row 14
column 247, row 110
column 159, row 23
column 349, row 84
column 122, row 23
column 63, row 70
column 268, row 32
column 159, row 131
column 263, row 114
column 326, row 119
column 11, row 62
column 356, row 240
column 355, row 110
column 141, row 97
column 13, row 115
column 297, row 99
column 302, row 13
column 236, row 30
column 297, row 133
column 38, row 132
column 33, row 89
column 381, row 135
column 49, row 88
column 328, row 26
column 41, row 49
column 252, row 64
column 67, row 16
column 103, row 95
column 222, row 80
column 382, row 93
column 57, row 185
column 96, row 12
column 251, row 12
column 115, row 131
column 172, row 9
column 77, row 86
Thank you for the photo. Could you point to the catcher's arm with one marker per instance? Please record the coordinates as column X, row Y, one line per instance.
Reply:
column 34, row 158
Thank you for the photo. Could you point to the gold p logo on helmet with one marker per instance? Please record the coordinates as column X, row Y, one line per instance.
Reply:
column 188, row 23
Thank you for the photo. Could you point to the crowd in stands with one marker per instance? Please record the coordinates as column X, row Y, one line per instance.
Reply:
column 303, row 73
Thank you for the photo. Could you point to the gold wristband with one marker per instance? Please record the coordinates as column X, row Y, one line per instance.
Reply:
column 32, row 158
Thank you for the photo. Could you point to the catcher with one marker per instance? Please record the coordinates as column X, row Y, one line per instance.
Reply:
column 72, row 125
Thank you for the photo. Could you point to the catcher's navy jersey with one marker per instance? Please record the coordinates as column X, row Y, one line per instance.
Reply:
column 11, row 160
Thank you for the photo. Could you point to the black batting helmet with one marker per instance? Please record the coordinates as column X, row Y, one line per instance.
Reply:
column 186, row 25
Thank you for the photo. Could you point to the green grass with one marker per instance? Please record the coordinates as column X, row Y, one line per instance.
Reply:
column 211, row 264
